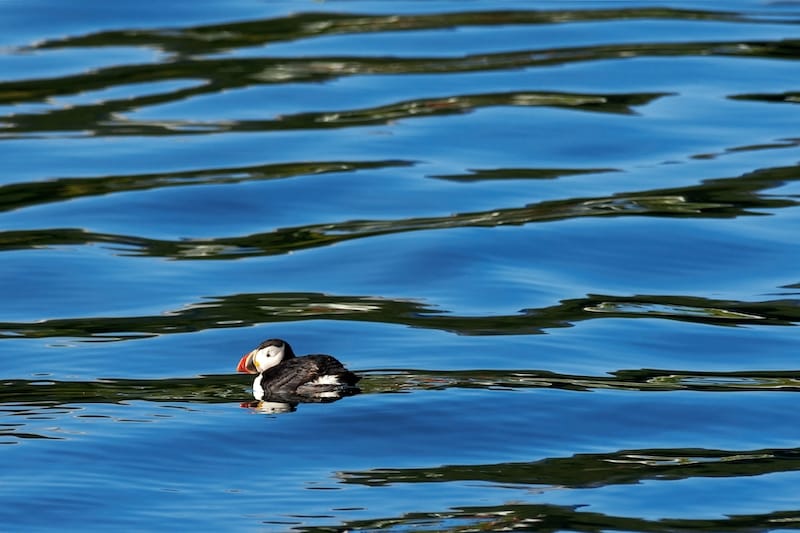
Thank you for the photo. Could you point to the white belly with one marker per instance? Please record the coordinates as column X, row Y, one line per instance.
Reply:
column 326, row 380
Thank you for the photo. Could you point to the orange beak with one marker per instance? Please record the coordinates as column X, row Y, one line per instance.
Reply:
column 246, row 364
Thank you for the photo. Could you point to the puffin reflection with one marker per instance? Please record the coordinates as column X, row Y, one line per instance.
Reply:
column 286, row 403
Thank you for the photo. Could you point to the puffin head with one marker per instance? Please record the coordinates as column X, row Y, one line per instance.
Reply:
column 266, row 355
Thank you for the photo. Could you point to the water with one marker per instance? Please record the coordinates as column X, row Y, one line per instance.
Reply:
column 558, row 240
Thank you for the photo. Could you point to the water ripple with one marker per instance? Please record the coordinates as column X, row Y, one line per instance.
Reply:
column 593, row 470
column 190, row 71
column 240, row 310
column 716, row 198
column 22, row 195
column 556, row 244
column 37, row 397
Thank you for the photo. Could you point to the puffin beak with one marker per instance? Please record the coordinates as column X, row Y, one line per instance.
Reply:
column 246, row 364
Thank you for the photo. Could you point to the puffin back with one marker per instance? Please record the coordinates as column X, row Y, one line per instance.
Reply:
column 297, row 372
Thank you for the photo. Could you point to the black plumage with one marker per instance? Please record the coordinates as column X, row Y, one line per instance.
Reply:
column 298, row 374
column 281, row 373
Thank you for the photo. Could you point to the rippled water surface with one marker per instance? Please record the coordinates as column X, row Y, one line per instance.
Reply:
column 558, row 240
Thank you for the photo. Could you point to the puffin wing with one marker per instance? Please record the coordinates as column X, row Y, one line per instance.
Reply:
column 310, row 371
column 332, row 367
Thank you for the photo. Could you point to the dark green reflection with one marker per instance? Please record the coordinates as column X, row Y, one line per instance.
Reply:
column 46, row 393
column 21, row 195
column 103, row 118
column 555, row 518
column 521, row 173
column 219, row 38
column 43, row 393
column 642, row 380
column 194, row 63
column 597, row 470
column 239, row 310
column 29, row 400
column 717, row 198
column 789, row 97
column 584, row 471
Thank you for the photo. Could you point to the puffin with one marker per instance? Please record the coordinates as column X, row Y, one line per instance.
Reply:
column 283, row 375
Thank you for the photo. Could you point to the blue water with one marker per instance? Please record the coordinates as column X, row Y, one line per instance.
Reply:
column 558, row 241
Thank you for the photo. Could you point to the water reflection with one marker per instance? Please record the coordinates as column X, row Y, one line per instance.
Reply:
column 241, row 310
column 404, row 108
column 196, row 63
column 47, row 394
column 596, row 470
column 108, row 118
column 715, row 198
column 274, row 403
column 544, row 517
column 585, row 471
column 219, row 38
column 22, row 195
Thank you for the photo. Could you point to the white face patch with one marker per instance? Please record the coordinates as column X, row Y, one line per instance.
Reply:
column 267, row 357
